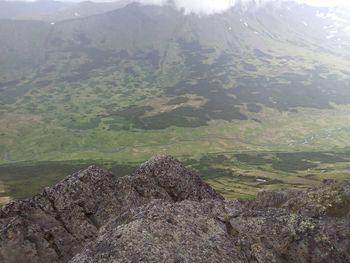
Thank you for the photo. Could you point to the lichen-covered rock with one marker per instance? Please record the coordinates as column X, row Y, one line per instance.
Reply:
column 332, row 199
column 165, row 213
column 54, row 225
column 217, row 231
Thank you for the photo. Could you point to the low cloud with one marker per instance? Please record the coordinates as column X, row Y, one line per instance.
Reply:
column 196, row 6
column 206, row 7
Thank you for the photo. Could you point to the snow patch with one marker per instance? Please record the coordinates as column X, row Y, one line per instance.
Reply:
column 332, row 16
column 261, row 180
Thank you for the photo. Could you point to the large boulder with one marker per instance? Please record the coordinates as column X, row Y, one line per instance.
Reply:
column 54, row 225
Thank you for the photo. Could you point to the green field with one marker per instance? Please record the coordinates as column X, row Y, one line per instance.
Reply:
column 237, row 158
column 235, row 175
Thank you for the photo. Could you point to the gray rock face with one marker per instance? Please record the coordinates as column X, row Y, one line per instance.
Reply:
column 54, row 225
column 165, row 213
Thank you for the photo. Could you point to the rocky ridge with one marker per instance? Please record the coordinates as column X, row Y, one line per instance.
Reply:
column 166, row 213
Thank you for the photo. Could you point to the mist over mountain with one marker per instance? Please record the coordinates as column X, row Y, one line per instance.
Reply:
column 262, row 88
column 283, row 27
column 252, row 95
column 14, row 9
column 41, row 9
column 55, row 10
column 207, row 7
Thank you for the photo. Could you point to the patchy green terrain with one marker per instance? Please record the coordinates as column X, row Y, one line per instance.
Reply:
column 249, row 105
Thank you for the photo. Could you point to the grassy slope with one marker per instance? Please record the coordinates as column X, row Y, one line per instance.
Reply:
column 295, row 132
column 73, row 106
column 279, row 132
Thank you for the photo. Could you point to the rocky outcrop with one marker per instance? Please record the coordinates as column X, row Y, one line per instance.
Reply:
column 165, row 213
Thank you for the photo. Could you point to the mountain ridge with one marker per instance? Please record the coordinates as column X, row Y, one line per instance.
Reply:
column 247, row 30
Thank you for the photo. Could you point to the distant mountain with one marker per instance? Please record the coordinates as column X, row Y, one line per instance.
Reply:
column 267, row 41
column 152, row 68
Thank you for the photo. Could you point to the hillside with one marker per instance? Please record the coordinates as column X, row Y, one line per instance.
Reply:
column 164, row 212
column 257, row 87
